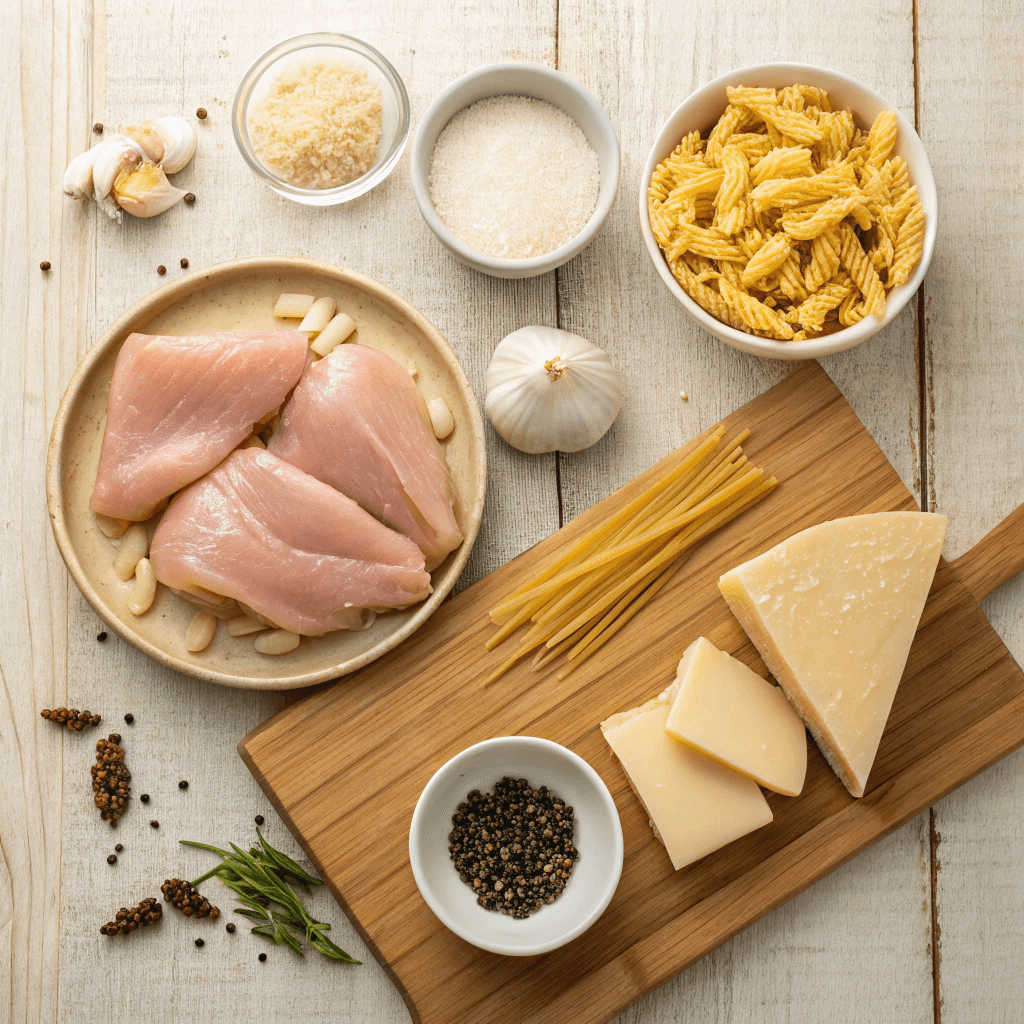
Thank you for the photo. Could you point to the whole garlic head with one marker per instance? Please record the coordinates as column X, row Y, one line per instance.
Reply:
column 548, row 390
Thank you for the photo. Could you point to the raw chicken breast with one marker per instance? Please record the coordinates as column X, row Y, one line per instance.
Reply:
column 357, row 421
column 179, row 405
column 289, row 547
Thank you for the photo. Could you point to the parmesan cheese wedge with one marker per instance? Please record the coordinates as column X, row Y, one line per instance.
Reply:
column 833, row 612
column 695, row 805
column 728, row 712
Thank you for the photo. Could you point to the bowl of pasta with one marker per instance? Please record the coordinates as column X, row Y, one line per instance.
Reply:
column 791, row 210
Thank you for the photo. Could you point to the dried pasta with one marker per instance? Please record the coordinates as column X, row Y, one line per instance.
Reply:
column 788, row 221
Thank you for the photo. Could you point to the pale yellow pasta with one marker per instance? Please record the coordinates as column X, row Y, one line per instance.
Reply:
column 730, row 202
column 805, row 225
column 787, row 193
column 852, row 309
column 909, row 245
column 756, row 315
column 704, row 296
column 728, row 123
column 897, row 177
column 810, row 314
column 768, row 258
column 705, row 242
column 788, row 162
column 881, row 138
column 862, row 273
column 824, row 259
column 791, row 279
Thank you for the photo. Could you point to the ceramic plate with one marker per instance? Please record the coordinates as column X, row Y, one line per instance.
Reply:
column 240, row 295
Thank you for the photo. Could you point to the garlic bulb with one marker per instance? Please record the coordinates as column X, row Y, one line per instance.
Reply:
column 144, row 191
column 548, row 390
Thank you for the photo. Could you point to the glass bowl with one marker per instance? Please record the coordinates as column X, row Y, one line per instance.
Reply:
column 354, row 52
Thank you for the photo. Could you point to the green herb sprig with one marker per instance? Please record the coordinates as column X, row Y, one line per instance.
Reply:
column 264, row 880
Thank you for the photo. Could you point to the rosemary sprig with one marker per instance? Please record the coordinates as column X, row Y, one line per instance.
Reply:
column 265, row 880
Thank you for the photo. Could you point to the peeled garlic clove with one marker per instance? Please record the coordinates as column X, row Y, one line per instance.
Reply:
column 78, row 176
column 115, row 154
column 147, row 136
column 441, row 419
column 179, row 142
column 548, row 390
column 144, row 190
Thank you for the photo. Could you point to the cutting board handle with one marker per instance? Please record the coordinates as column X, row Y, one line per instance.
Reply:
column 996, row 558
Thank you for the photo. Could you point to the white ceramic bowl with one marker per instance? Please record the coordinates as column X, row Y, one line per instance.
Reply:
column 598, row 837
column 325, row 46
column 543, row 83
column 703, row 108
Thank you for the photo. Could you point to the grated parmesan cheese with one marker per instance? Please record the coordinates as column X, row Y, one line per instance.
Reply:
column 319, row 125
column 514, row 177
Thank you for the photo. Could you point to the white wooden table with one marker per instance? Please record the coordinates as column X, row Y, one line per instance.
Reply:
column 927, row 925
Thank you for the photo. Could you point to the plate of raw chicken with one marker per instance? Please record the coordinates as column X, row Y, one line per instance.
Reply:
column 249, row 499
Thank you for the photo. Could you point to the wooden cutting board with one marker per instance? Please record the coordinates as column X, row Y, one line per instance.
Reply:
column 345, row 766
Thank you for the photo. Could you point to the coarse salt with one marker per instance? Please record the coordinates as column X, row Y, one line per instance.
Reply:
column 514, row 177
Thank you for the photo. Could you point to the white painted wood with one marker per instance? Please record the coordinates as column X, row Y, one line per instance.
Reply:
column 974, row 324
column 642, row 61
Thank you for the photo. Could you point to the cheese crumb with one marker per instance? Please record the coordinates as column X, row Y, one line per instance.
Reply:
column 319, row 125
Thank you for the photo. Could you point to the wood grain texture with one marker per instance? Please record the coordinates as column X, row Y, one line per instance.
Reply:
column 345, row 766
column 975, row 366
column 642, row 60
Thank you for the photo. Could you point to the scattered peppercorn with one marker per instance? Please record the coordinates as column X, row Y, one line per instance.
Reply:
column 146, row 913
column 74, row 719
column 153, row 823
column 101, row 635
column 110, row 779
column 259, row 819
column 187, row 898
column 230, row 927
column 119, row 847
column 190, row 198
column 161, row 269
column 112, row 859
column 129, row 719
column 201, row 113
column 98, row 128
column 45, row 265
column 513, row 846
column 183, row 784
column 144, row 798
column 184, row 263
column 200, row 943
column 263, row 958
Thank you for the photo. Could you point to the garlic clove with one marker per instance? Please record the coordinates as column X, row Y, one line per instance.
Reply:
column 148, row 138
column 78, row 176
column 114, row 155
column 144, row 190
column 548, row 390
column 179, row 139
column 110, row 208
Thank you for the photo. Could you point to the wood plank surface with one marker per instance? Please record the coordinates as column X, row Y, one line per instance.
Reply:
column 345, row 766
column 973, row 328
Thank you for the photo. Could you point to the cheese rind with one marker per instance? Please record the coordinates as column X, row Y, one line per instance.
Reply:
column 696, row 805
column 833, row 611
column 728, row 712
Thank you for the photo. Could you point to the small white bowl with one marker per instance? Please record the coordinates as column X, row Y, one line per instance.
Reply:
column 354, row 52
column 598, row 837
column 704, row 107
column 543, row 83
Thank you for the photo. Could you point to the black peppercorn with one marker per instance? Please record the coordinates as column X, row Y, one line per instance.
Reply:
column 190, row 198
column 98, row 128
column 154, row 823
column 230, row 927
column 183, row 784
column 101, row 635
column 114, row 737
column 188, row 899
column 200, row 942
column 263, row 958
column 126, row 921
column 161, row 269
column 144, row 798
column 45, row 265
column 119, row 847
column 201, row 113
column 110, row 779
column 129, row 719
column 184, row 263
column 74, row 719
column 112, row 859
column 259, row 819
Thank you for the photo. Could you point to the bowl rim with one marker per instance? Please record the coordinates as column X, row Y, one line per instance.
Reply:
column 420, row 169
column 440, row 778
column 307, row 40
column 825, row 345
column 155, row 303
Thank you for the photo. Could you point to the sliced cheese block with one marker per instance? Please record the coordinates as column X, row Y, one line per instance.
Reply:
column 695, row 804
column 727, row 711
column 833, row 611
